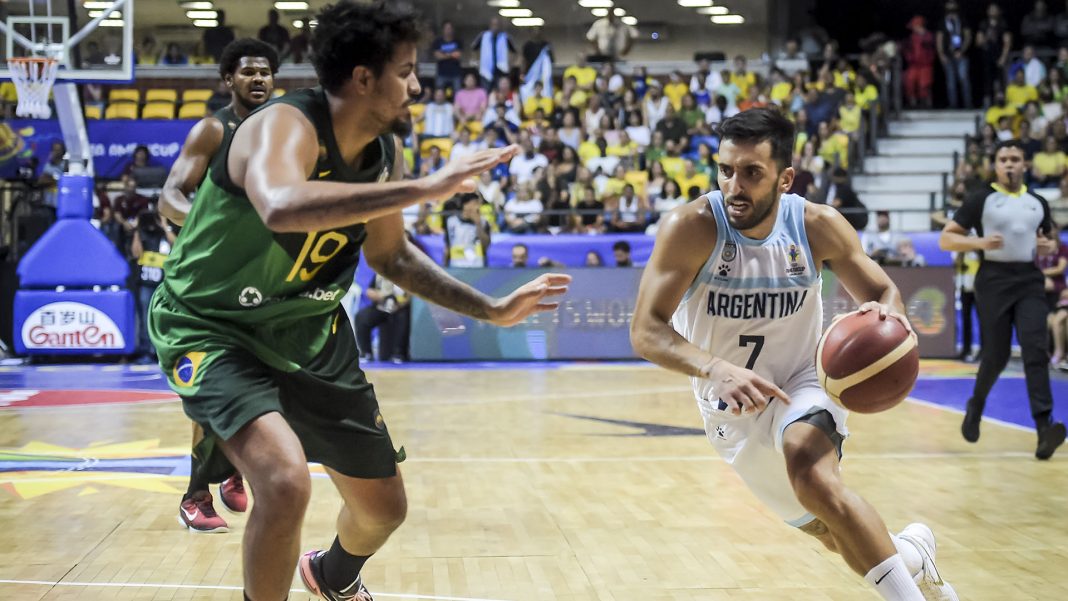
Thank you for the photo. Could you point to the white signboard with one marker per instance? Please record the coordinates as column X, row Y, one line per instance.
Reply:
column 70, row 325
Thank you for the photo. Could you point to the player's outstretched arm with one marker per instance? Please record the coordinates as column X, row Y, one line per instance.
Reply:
column 189, row 168
column 392, row 256
column 835, row 242
column 282, row 149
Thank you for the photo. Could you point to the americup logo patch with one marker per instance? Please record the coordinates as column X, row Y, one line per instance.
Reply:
column 797, row 261
column 185, row 370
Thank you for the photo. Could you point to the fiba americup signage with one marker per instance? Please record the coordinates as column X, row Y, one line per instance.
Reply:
column 70, row 325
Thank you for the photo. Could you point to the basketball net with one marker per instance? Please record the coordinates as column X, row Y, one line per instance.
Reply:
column 33, row 77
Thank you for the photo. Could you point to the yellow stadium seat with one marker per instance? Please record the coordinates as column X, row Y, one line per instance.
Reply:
column 121, row 110
column 193, row 110
column 475, row 127
column 638, row 179
column 161, row 95
column 417, row 111
column 196, row 95
column 278, row 92
column 158, row 110
column 8, row 92
column 444, row 144
column 93, row 111
column 124, row 95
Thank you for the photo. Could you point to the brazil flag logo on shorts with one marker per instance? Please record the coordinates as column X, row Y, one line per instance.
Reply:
column 185, row 370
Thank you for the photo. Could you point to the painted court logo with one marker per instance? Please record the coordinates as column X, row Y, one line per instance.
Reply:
column 185, row 371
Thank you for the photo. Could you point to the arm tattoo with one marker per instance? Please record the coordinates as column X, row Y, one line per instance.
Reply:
column 415, row 272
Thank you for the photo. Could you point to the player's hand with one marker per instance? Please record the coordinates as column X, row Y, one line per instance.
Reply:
column 884, row 312
column 533, row 297
column 742, row 389
column 458, row 177
column 991, row 242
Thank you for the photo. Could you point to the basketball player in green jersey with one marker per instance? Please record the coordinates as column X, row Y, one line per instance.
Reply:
column 248, row 324
column 248, row 67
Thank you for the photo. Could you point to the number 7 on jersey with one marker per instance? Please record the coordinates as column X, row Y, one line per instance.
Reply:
column 758, row 345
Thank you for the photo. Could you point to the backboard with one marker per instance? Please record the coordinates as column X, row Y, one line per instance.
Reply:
column 94, row 43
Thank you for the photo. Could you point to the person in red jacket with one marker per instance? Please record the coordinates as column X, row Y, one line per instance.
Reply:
column 919, row 53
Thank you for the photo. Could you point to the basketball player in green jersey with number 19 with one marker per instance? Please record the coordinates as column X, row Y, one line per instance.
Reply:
column 248, row 323
column 247, row 66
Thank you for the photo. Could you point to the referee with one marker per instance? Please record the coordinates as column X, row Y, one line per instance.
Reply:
column 1012, row 223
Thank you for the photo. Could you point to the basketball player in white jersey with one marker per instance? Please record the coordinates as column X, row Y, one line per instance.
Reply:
column 731, row 297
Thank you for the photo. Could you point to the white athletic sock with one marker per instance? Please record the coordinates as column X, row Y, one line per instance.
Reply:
column 892, row 581
column 909, row 554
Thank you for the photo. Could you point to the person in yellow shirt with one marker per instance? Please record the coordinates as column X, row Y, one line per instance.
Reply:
column 675, row 89
column 624, row 148
column 1000, row 108
column 780, row 87
column 1048, row 166
column 849, row 115
column 537, row 101
column 834, row 146
column 584, row 74
column 866, row 91
column 742, row 77
column 692, row 178
column 1018, row 93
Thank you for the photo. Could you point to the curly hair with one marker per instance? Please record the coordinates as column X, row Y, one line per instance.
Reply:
column 236, row 50
column 350, row 35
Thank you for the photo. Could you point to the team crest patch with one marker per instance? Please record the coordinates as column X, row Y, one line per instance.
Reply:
column 185, row 370
column 730, row 251
column 797, row 261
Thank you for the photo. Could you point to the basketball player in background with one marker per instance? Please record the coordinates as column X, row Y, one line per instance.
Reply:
column 1012, row 224
column 248, row 324
column 247, row 66
column 731, row 298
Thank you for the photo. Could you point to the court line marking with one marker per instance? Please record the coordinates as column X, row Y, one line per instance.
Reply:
column 223, row 588
column 961, row 412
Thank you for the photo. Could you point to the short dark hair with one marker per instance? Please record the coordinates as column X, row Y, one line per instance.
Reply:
column 520, row 245
column 1010, row 143
column 466, row 198
column 757, row 125
column 236, row 50
column 351, row 35
column 621, row 245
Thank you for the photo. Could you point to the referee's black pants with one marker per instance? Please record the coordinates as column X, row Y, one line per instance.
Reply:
column 1007, row 295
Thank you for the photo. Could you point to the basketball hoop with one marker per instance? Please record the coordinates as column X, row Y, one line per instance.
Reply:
column 33, row 77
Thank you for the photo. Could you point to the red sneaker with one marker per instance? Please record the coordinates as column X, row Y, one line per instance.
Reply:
column 232, row 493
column 309, row 570
column 198, row 514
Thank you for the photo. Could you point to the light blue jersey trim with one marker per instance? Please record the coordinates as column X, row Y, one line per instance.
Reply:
column 706, row 269
column 804, row 520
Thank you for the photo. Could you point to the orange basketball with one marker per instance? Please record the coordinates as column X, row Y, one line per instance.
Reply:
column 866, row 364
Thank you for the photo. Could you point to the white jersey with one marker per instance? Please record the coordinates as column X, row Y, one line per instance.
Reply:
column 756, row 303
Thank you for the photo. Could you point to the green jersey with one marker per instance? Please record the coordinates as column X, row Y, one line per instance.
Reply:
column 230, row 280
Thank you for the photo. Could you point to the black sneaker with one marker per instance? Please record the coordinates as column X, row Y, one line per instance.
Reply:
column 1049, row 438
column 310, row 569
column 969, row 428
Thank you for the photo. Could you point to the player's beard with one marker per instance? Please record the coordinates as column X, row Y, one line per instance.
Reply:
column 758, row 212
column 401, row 127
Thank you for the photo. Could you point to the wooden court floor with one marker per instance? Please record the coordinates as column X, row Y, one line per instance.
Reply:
column 578, row 483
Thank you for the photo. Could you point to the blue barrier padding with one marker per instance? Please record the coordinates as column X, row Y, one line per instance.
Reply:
column 74, row 322
column 75, row 198
column 74, row 254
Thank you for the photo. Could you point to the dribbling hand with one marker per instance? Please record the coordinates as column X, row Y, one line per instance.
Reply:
column 884, row 312
column 458, row 177
column 742, row 390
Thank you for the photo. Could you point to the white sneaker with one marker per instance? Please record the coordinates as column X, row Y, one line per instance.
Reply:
column 930, row 582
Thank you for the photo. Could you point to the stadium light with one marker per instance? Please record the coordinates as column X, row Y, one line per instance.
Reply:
column 600, row 12
column 96, row 13
column 694, row 3
column 112, row 23
column 620, row 11
column 298, row 24
column 596, row 3
column 528, row 22
column 714, row 10
column 205, row 23
column 201, row 14
column 516, row 12
column 97, row 5
column 197, row 5
column 291, row 5
column 629, row 20
column 728, row 19
column 504, row 3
